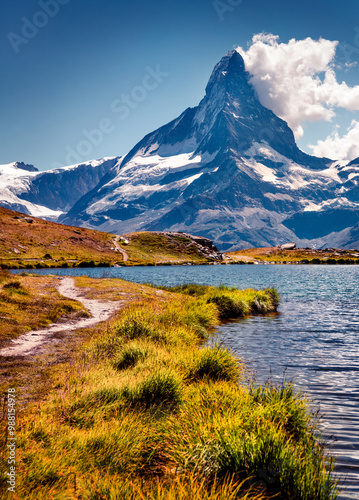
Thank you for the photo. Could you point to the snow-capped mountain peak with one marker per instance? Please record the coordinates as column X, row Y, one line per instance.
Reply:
column 228, row 169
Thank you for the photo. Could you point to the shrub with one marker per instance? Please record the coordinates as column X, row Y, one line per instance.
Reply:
column 135, row 324
column 163, row 387
column 15, row 285
column 215, row 363
column 129, row 356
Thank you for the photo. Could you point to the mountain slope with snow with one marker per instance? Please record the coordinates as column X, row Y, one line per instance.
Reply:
column 228, row 169
column 49, row 194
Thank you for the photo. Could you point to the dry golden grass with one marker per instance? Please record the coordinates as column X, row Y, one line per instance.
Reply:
column 37, row 375
column 47, row 241
column 113, row 289
column 29, row 303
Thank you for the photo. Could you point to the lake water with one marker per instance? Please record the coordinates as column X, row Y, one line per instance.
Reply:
column 314, row 341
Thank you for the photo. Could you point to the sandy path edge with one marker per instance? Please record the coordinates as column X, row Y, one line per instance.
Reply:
column 31, row 342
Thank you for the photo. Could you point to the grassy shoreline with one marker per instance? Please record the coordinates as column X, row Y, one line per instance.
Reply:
column 146, row 411
column 18, row 264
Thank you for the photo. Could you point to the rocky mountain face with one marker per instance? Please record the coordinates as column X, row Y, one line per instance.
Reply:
column 49, row 194
column 228, row 169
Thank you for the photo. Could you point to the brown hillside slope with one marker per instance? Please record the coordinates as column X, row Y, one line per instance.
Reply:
column 29, row 242
column 26, row 241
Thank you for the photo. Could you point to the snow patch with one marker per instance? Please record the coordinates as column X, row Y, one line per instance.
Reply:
column 278, row 196
column 193, row 178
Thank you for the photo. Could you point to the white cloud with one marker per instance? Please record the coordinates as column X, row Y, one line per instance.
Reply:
column 296, row 80
column 340, row 148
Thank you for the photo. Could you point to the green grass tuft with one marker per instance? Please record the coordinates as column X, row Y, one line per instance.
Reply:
column 231, row 302
column 291, row 406
column 136, row 324
column 215, row 363
column 129, row 356
column 161, row 388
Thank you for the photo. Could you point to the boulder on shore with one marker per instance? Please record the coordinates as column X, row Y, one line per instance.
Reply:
column 288, row 246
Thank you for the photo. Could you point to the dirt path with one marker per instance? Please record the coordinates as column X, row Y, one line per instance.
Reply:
column 119, row 249
column 31, row 343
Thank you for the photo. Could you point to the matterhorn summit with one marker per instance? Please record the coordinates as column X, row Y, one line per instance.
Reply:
column 228, row 169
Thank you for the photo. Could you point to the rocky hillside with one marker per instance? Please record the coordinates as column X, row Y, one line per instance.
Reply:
column 169, row 247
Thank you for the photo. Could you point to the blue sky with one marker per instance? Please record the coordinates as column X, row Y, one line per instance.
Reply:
column 70, row 75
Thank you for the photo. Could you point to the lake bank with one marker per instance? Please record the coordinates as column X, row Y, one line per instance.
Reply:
column 128, row 394
column 314, row 340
